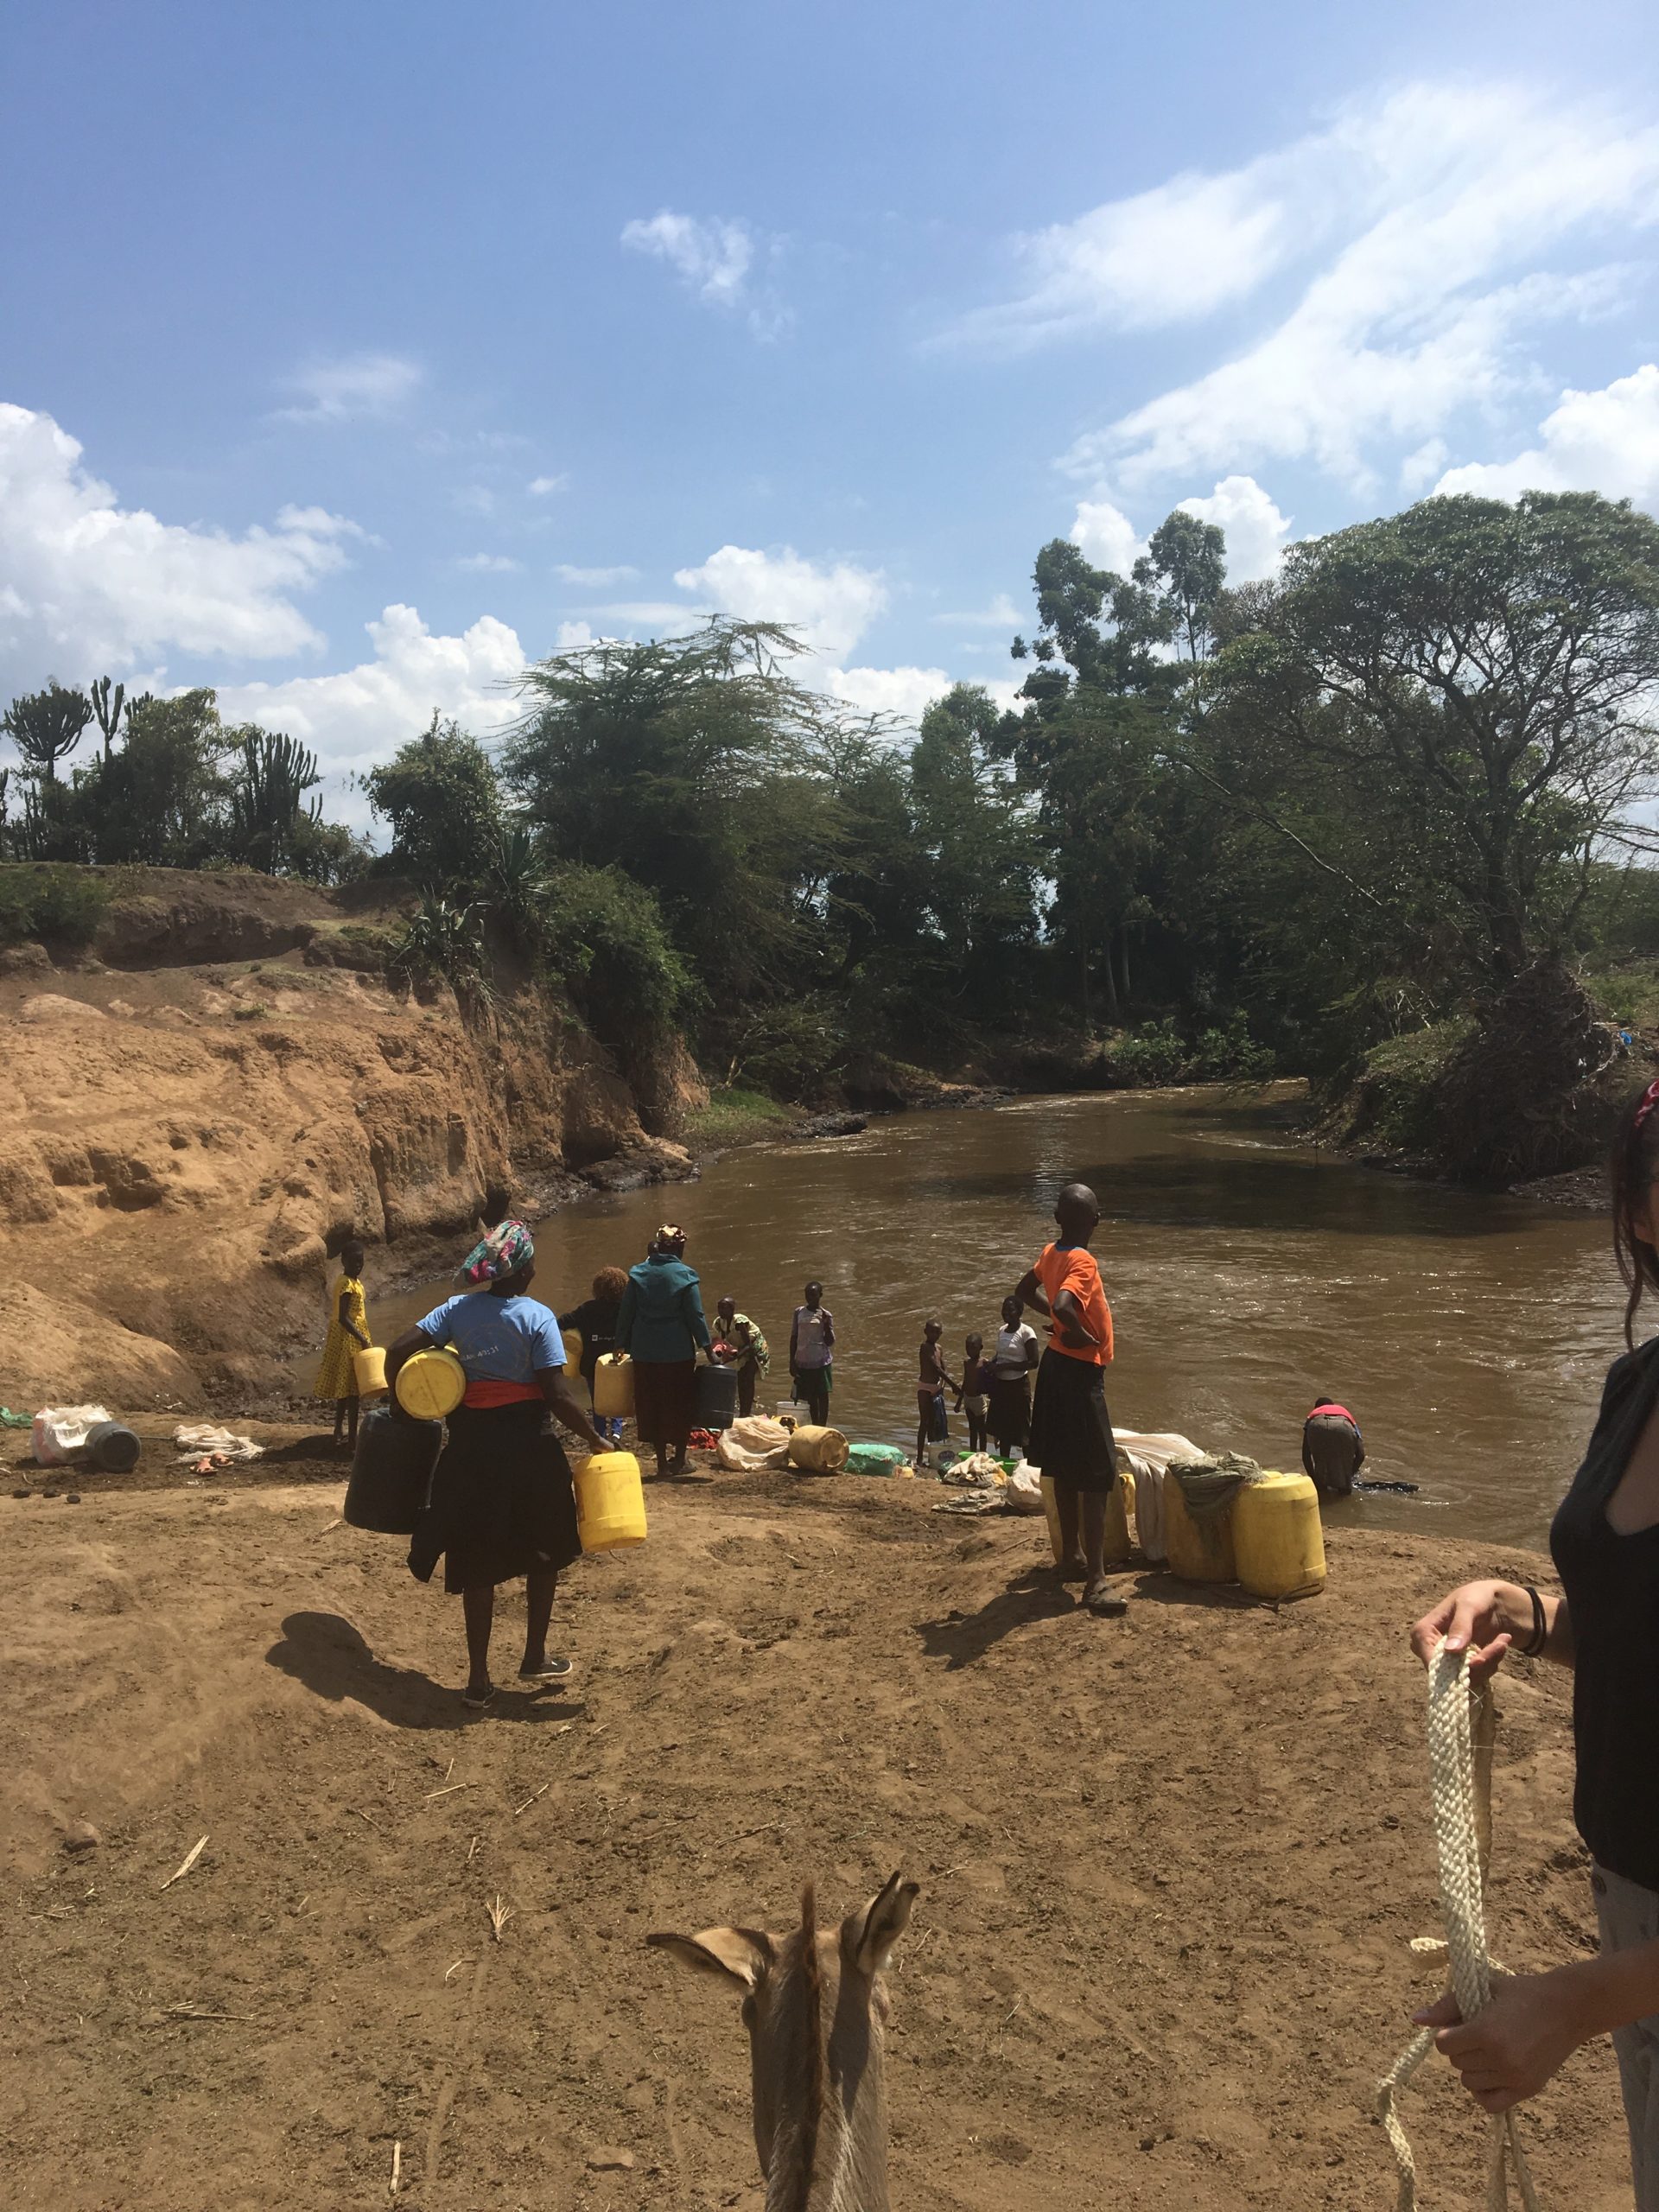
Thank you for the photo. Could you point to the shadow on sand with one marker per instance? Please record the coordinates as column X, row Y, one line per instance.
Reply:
column 960, row 1639
column 326, row 1653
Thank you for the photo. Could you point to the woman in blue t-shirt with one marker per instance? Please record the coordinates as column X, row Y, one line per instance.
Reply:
column 502, row 1503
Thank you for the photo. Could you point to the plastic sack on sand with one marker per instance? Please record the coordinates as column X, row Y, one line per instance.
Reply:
column 977, row 1472
column 875, row 1459
column 58, row 1432
column 1146, row 1454
column 1025, row 1492
column 195, row 1438
column 753, row 1441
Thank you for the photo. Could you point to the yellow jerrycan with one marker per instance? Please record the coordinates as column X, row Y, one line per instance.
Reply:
column 572, row 1353
column 1277, row 1539
column 1199, row 1550
column 610, row 1502
column 431, row 1383
column 1118, row 1544
column 613, row 1386
column 369, row 1368
column 818, row 1450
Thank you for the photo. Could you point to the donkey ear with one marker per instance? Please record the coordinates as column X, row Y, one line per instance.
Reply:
column 742, row 1954
column 872, row 1933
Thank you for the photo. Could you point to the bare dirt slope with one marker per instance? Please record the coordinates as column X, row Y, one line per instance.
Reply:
column 222, row 1089
column 1170, row 1866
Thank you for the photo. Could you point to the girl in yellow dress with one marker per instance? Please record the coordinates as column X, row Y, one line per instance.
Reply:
column 348, row 1328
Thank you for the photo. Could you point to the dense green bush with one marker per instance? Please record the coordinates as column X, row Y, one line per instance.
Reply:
column 61, row 905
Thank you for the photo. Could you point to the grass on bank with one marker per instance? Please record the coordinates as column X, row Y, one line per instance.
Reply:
column 736, row 1116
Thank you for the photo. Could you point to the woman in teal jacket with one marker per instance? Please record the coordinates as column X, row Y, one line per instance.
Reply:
column 661, row 1326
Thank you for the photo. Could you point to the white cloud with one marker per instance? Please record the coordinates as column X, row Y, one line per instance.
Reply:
column 1105, row 535
column 1256, row 532
column 715, row 257
column 595, row 578
column 1419, row 469
column 831, row 607
column 1605, row 441
column 542, row 487
column 1452, row 207
column 87, row 585
column 363, row 714
column 904, row 692
column 1173, row 254
column 490, row 564
column 710, row 254
column 1001, row 614
column 342, row 390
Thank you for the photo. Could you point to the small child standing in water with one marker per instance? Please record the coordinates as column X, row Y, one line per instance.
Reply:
column 932, row 1383
column 348, row 1331
column 972, row 1398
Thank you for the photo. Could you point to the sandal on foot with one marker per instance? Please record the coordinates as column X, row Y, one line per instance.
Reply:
column 548, row 1671
column 477, row 1704
column 1106, row 1607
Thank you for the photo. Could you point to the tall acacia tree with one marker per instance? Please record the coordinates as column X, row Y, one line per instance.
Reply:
column 1489, row 667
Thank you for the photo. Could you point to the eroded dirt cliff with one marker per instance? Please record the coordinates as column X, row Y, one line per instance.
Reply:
column 201, row 1108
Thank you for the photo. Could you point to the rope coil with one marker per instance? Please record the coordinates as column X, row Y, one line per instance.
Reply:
column 1462, row 1722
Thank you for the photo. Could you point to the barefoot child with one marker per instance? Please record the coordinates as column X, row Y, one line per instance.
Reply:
column 348, row 1330
column 971, row 1398
column 1071, row 1429
column 932, row 1383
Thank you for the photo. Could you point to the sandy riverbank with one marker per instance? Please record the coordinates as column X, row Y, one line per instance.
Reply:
column 1169, row 1867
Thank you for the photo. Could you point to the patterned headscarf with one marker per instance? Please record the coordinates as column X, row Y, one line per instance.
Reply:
column 507, row 1247
column 668, row 1238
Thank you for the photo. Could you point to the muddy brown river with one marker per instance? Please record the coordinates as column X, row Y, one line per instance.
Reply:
column 1247, row 1274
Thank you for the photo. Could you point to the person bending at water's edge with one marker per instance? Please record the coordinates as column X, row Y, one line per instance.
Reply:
column 811, row 1355
column 1606, row 1627
column 661, row 1325
column 501, row 1503
column 1333, row 1450
column 740, row 1344
column 1071, row 1429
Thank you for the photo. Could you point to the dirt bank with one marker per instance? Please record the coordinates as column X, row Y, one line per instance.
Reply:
column 1170, row 1867
column 225, row 1084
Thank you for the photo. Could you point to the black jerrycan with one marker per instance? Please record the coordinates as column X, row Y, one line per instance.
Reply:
column 716, row 1396
column 392, row 1472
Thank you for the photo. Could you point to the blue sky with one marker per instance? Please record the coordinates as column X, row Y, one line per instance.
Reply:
column 353, row 356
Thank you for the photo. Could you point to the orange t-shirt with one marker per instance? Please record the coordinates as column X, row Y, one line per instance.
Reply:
column 1072, row 1267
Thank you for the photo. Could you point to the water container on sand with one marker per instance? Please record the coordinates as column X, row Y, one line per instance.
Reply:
column 369, row 1370
column 1200, row 1547
column 392, row 1472
column 716, row 1396
column 610, row 1502
column 431, row 1383
column 818, row 1450
column 1118, row 1543
column 111, row 1445
column 1277, row 1538
column 613, row 1386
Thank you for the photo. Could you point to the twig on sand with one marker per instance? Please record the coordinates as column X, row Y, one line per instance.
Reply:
column 191, row 1856
column 530, row 1800
column 396, row 2168
column 457, row 1966
column 765, row 1828
column 471, row 1849
column 338, row 1524
column 375, row 1824
column 173, row 2012
column 500, row 1913
column 449, row 1792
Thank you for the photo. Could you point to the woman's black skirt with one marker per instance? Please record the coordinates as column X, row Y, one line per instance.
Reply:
column 1071, row 1429
column 1009, row 1411
column 502, row 1503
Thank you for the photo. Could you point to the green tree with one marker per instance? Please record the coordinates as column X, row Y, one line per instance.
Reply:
column 439, row 796
column 976, row 848
column 267, row 788
column 45, row 726
column 1470, row 681
column 106, row 707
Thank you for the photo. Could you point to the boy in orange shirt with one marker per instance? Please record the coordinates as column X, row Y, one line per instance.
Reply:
column 1071, row 1429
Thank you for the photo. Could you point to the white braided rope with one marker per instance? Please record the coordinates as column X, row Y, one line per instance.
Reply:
column 1460, row 1819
